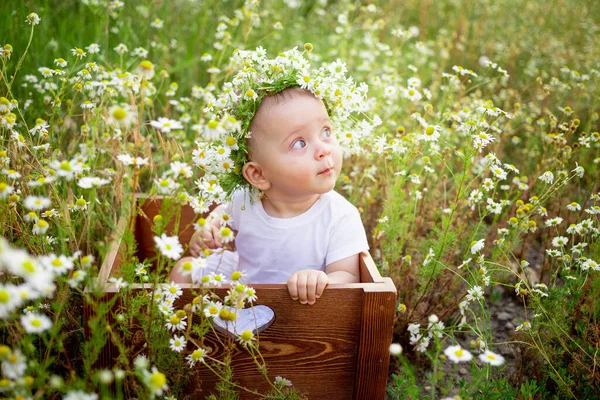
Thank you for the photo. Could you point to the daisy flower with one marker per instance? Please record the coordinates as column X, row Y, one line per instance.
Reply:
column 40, row 227
column 157, row 23
column 457, row 354
column 246, row 338
column 36, row 203
column 10, row 299
column 212, row 309
column 574, row 207
column 93, row 48
column 166, row 125
column 250, row 95
column 156, row 382
column 174, row 323
column 172, row 290
column 547, row 177
column 146, row 69
column 226, row 235
column 169, row 246
column 196, row 356
column 491, row 358
column 35, row 323
column 76, row 278
column 282, row 381
column 77, row 52
column 166, row 185
column 477, row 246
column 177, row 343
column 121, row 115
column 33, row 19
column 5, row 190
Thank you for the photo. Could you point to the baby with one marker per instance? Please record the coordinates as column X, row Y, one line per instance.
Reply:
column 300, row 231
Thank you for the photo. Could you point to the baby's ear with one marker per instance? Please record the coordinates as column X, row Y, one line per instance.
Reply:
column 253, row 174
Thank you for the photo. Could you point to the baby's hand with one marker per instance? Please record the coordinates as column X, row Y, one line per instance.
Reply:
column 307, row 285
column 207, row 238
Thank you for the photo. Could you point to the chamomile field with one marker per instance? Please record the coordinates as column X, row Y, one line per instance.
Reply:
column 470, row 134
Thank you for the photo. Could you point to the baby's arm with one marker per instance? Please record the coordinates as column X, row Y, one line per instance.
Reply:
column 345, row 270
column 308, row 285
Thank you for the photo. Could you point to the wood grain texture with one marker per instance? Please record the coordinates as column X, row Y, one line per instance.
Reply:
column 336, row 349
column 377, row 324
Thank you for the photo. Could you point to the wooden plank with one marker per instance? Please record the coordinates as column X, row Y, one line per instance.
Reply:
column 314, row 346
column 377, row 324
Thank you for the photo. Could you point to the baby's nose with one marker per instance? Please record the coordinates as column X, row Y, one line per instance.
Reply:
column 322, row 150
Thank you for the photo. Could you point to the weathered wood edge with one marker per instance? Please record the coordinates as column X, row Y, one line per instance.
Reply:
column 376, row 329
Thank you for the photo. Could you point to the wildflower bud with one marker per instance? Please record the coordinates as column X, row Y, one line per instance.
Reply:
column 28, row 380
column 520, row 203
column 236, row 275
column 33, row 19
column 433, row 319
column 395, row 349
column 56, row 382
column 400, row 130
column 308, row 47
column 240, row 288
column 180, row 314
column 119, row 374
column 105, row 376
column 187, row 308
column 576, row 122
column 7, row 49
column 224, row 314
column 401, row 308
column 4, row 351
column 247, row 335
column 120, row 318
column 13, row 198
column 157, row 219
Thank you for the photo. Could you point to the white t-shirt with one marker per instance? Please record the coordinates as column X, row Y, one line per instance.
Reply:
column 271, row 249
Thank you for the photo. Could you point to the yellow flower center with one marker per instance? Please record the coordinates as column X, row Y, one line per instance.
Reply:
column 29, row 266
column 247, row 336
column 36, row 322
column 174, row 320
column 4, row 296
column 197, row 354
column 147, row 65
column 119, row 113
column 65, row 165
column 459, row 353
column 158, row 380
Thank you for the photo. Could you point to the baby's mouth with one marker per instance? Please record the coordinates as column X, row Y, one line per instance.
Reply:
column 326, row 171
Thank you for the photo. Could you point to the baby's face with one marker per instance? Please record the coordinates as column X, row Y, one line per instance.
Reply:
column 298, row 151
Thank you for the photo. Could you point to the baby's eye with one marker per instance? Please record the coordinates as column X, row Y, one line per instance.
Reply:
column 299, row 144
column 325, row 132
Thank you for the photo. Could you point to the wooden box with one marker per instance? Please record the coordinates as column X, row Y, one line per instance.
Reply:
column 335, row 349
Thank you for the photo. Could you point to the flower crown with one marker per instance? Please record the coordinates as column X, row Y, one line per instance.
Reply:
column 226, row 152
